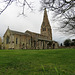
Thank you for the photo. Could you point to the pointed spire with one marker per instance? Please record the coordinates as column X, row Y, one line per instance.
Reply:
column 45, row 27
column 45, row 18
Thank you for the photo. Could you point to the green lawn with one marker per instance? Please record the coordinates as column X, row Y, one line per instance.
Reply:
column 37, row 62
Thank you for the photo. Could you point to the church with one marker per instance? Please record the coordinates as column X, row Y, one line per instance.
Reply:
column 30, row 40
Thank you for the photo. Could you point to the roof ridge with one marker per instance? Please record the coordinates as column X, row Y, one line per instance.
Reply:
column 35, row 33
column 17, row 31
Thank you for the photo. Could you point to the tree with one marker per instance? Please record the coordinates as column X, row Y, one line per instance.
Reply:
column 73, row 42
column 61, row 44
column 21, row 3
column 67, row 42
column 64, row 9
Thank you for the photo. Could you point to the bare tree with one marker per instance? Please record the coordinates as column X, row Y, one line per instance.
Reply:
column 21, row 3
column 68, row 22
column 66, row 10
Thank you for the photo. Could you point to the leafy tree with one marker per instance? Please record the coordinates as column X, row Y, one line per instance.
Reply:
column 61, row 44
column 67, row 42
column 73, row 42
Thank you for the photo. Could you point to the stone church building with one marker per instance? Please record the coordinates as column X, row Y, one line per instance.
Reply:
column 30, row 40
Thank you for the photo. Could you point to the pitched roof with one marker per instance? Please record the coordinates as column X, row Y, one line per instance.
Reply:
column 29, row 32
column 44, row 40
column 19, row 33
column 38, row 36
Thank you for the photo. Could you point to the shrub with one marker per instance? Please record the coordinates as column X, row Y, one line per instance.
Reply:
column 72, row 43
column 73, row 40
column 67, row 42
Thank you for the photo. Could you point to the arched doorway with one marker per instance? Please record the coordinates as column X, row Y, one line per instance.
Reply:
column 49, row 45
column 53, row 45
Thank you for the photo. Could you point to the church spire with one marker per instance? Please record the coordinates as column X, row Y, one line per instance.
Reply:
column 45, row 27
column 45, row 18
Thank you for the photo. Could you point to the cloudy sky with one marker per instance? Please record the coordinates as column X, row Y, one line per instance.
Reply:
column 32, row 20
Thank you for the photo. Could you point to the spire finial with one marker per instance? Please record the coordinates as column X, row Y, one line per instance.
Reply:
column 45, row 9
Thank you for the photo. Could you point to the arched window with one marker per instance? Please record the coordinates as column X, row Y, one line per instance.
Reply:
column 7, row 40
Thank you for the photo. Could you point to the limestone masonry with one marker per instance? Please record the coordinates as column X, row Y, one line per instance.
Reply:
column 30, row 40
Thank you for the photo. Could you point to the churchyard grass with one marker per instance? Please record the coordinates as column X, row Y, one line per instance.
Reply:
column 37, row 62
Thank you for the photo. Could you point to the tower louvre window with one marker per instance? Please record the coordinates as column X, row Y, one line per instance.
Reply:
column 44, row 29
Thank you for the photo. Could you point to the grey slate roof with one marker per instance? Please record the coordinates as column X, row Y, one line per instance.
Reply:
column 19, row 33
column 34, row 33
column 44, row 40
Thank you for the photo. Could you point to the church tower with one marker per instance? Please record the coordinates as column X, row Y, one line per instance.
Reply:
column 45, row 27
